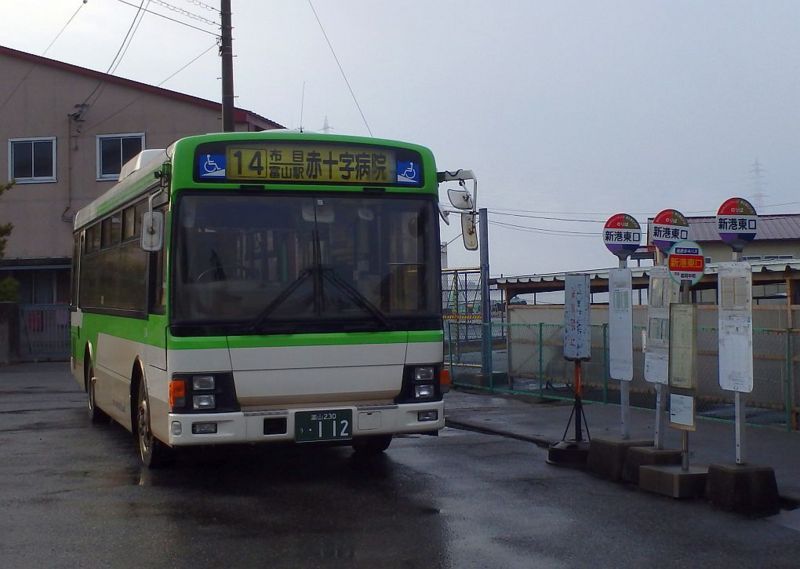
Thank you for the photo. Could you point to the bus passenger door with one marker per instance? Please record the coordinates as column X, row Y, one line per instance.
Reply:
column 155, row 364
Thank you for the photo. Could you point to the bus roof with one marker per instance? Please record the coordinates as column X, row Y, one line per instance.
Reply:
column 135, row 179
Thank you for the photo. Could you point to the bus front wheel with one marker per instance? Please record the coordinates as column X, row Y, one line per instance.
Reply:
column 153, row 452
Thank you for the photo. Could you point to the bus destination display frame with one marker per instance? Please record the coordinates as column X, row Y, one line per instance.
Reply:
column 307, row 163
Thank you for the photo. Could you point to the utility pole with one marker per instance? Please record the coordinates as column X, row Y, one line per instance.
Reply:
column 226, row 53
column 486, row 301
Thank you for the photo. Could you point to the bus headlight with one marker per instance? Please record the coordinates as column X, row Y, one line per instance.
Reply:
column 420, row 383
column 424, row 382
column 424, row 373
column 203, row 383
column 201, row 402
column 203, row 392
column 423, row 391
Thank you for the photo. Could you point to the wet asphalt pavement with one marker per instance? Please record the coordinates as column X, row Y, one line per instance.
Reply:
column 74, row 495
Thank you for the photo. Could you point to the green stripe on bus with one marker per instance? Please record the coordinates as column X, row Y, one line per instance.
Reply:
column 421, row 336
column 305, row 340
column 150, row 332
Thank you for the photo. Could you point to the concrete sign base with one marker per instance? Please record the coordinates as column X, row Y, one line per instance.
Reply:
column 673, row 481
column 746, row 489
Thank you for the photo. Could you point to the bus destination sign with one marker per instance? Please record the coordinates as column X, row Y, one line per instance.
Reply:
column 310, row 163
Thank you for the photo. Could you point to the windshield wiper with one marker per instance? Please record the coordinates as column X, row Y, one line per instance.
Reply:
column 327, row 274
column 355, row 295
column 287, row 292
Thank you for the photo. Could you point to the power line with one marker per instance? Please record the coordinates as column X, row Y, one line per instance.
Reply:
column 201, row 5
column 544, row 213
column 187, row 13
column 118, row 111
column 114, row 62
column 188, row 64
column 171, row 19
column 781, row 204
column 352, row 94
column 500, row 212
column 544, row 230
column 25, row 78
column 126, row 42
column 58, row 35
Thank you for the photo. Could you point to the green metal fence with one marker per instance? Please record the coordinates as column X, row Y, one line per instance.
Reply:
column 528, row 359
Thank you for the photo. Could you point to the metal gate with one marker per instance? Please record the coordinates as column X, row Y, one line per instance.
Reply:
column 43, row 332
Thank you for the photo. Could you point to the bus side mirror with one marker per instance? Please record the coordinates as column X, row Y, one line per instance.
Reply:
column 461, row 199
column 152, row 231
column 468, row 231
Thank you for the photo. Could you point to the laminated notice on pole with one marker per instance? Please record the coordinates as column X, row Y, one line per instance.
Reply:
column 735, row 286
column 681, row 412
column 683, row 346
column 577, row 305
column 620, row 325
column 662, row 292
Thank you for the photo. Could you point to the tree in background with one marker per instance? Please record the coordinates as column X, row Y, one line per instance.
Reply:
column 9, row 288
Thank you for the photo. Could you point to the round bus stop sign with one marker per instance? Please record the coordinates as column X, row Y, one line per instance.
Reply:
column 668, row 227
column 737, row 223
column 622, row 235
column 686, row 262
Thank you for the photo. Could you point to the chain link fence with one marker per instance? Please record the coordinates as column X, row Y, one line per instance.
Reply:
column 528, row 359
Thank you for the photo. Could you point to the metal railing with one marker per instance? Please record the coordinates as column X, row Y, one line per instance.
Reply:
column 43, row 332
column 528, row 359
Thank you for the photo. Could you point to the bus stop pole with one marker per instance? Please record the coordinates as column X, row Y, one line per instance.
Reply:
column 658, row 435
column 624, row 389
column 686, row 298
column 486, row 303
column 739, row 409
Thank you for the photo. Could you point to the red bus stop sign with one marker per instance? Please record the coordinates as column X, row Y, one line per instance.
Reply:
column 737, row 223
column 686, row 262
column 667, row 228
column 622, row 235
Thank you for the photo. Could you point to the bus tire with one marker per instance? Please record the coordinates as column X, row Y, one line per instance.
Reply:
column 96, row 415
column 153, row 453
column 371, row 446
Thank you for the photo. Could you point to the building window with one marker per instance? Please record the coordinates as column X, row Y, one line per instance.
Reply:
column 32, row 160
column 114, row 150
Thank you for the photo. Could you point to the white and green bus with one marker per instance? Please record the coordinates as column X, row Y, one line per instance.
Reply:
column 262, row 287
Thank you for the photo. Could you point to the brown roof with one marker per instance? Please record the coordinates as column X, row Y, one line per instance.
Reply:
column 241, row 116
column 770, row 227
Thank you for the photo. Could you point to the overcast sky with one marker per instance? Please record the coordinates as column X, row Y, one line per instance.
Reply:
column 566, row 109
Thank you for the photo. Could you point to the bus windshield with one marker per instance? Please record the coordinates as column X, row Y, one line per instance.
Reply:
column 289, row 263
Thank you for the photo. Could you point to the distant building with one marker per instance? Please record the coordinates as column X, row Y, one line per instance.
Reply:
column 68, row 131
column 774, row 255
column 778, row 239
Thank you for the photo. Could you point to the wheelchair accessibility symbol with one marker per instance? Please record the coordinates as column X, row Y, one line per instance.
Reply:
column 408, row 172
column 212, row 166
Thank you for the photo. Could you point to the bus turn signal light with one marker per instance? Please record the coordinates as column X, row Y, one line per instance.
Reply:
column 177, row 394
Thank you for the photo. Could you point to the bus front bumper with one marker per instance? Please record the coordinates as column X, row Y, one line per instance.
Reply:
column 288, row 424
